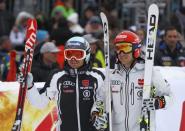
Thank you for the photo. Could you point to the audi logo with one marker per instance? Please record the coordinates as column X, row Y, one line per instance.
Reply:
column 68, row 83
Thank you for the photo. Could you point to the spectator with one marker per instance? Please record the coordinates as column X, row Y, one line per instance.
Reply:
column 178, row 20
column 5, row 49
column 17, row 35
column 74, row 25
column 6, row 19
column 94, row 26
column 42, row 21
column 42, row 28
column 59, row 29
column 97, row 56
column 170, row 51
column 89, row 12
column 65, row 10
column 60, row 33
column 45, row 63
column 42, row 36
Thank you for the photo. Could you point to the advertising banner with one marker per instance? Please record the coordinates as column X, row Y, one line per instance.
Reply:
column 33, row 119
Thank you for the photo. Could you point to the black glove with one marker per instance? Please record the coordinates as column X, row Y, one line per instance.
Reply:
column 98, row 109
column 153, row 103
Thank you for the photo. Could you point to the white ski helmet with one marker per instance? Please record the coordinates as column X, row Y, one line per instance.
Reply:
column 78, row 42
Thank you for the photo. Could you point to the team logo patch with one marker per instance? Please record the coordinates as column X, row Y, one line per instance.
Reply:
column 140, row 94
column 121, row 36
column 141, row 82
column 86, row 93
column 85, row 83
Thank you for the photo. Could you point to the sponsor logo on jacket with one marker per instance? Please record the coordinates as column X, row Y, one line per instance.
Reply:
column 68, row 91
column 139, row 94
column 115, row 82
column 66, row 86
column 86, row 95
column 85, row 82
column 68, row 83
column 141, row 82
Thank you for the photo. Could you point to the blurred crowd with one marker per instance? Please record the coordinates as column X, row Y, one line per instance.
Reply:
column 63, row 23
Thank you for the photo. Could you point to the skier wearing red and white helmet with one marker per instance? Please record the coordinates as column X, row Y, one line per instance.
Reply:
column 127, row 85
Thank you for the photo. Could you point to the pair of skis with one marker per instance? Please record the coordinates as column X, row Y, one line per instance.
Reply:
column 153, row 14
column 26, row 68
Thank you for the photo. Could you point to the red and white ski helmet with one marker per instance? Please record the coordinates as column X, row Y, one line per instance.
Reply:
column 129, row 37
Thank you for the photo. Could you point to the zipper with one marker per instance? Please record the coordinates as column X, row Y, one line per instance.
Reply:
column 132, row 93
column 121, row 94
column 127, row 101
column 127, row 94
column 77, row 101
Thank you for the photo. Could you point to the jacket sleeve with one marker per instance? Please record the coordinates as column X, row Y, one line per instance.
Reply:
column 40, row 99
column 99, row 95
column 100, row 92
column 161, row 87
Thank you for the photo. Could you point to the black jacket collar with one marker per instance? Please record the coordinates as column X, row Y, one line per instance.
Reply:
column 73, row 72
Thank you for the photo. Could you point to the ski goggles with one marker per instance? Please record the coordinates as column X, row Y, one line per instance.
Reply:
column 124, row 47
column 77, row 54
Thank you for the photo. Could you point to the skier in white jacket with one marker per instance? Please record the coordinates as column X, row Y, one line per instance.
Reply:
column 127, row 85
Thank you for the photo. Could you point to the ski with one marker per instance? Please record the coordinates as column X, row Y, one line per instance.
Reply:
column 27, row 61
column 153, row 13
column 107, row 68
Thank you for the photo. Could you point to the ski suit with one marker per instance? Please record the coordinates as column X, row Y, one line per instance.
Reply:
column 127, row 90
column 75, row 92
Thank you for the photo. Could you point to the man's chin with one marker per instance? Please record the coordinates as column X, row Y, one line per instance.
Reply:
column 74, row 66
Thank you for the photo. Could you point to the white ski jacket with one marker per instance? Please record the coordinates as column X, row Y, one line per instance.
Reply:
column 127, row 89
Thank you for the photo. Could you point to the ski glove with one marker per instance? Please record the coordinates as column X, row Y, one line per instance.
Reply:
column 153, row 103
column 98, row 108
column 29, row 82
column 101, row 122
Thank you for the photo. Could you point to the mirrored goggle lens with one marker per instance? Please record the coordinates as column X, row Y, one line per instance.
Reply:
column 77, row 54
column 125, row 47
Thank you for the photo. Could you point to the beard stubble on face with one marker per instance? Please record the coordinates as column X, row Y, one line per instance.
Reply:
column 75, row 63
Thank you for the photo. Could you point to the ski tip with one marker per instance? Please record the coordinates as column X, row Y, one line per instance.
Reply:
column 31, row 27
column 32, row 24
column 154, row 6
column 102, row 14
